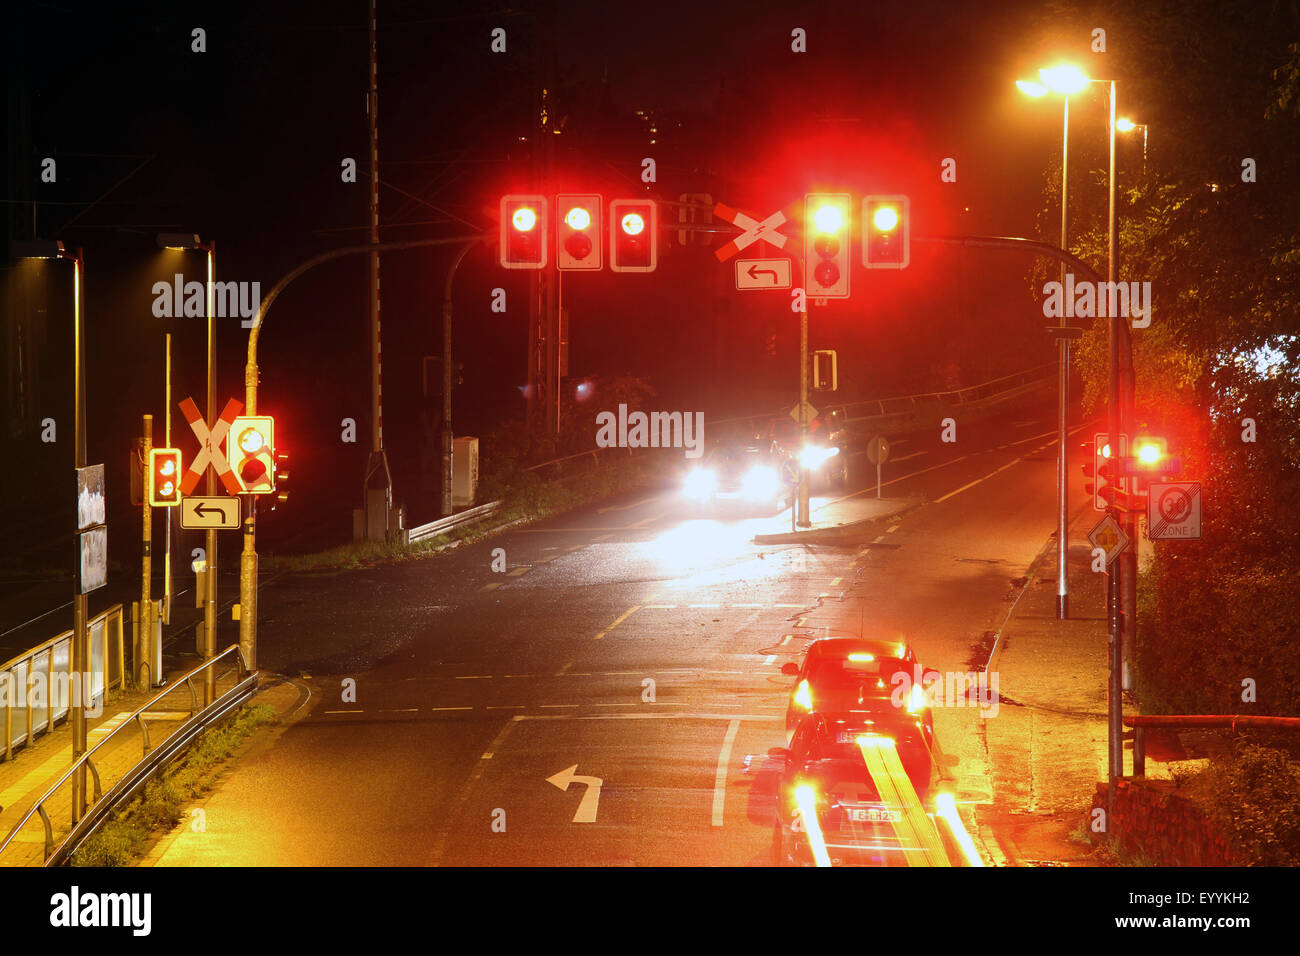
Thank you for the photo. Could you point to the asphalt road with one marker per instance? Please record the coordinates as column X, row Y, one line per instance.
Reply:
column 623, row 644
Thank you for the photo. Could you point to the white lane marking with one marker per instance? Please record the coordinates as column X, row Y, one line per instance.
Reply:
column 891, row 529
column 339, row 712
column 400, row 710
column 914, row 454
column 491, row 587
column 878, row 539
column 765, row 718
column 506, row 707
column 703, row 605
column 720, row 780
column 564, row 669
column 451, row 708
column 788, row 605
column 475, row 677
column 746, row 605
column 557, row 705
column 996, row 471
column 645, row 501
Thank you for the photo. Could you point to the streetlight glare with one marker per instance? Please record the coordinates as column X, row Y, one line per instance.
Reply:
column 1065, row 79
column 1030, row 88
column 1125, row 125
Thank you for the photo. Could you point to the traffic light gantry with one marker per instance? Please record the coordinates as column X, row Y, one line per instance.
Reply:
column 580, row 232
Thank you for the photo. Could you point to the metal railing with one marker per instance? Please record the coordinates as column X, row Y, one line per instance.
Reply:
column 1192, row 721
column 997, row 388
column 152, row 760
column 51, row 663
column 434, row 528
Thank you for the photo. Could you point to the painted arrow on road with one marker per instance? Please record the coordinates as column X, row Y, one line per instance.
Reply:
column 587, row 808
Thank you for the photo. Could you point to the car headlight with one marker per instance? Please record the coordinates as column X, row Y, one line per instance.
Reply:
column 700, row 483
column 760, row 483
column 814, row 456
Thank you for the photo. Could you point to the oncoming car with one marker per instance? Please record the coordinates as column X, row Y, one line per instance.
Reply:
column 846, row 675
column 740, row 476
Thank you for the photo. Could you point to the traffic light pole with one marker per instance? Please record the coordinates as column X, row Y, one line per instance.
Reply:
column 248, row 558
column 446, row 378
column 210, row 537
column 803, row 494
column 143, row 669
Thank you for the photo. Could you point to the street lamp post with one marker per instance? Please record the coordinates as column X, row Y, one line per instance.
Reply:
column 53, row 249
column 1064, row 80
column 190, row 241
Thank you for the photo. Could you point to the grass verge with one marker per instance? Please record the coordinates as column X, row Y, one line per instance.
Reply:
column 524, row 497
column 123, row 838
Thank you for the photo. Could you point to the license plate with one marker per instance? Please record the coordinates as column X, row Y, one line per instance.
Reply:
column 873, row 815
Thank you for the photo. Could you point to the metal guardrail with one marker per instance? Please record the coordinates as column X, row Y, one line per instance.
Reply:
column 152, row 760
column 51, row 662
column 1140, row 724
column 994, row 388
column 434, row 528
column 881, row 410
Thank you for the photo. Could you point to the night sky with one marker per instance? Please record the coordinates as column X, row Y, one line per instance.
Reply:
column 243, row 143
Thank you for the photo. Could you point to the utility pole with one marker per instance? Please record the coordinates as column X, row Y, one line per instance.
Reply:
column 378, row 484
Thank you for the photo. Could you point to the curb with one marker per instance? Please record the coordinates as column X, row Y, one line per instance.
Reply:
column 847, row 530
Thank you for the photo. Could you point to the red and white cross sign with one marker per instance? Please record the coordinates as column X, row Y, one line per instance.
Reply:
column 754, row 230
column 210, row 446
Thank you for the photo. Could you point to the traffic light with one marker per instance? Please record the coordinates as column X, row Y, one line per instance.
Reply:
column 281, row 480
column 826, row 244
column 886, row 241
column 578, row 233
column 164, row 477
column 250, row 449
column 633, row 230
column 523, row 232
column 1102, row 470
column 826, row 374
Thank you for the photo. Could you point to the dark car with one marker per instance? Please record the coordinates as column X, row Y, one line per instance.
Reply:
column 866, row 782
column 742, row 476
column 858, row 675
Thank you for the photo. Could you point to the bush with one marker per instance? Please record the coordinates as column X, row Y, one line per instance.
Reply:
column 1254, row 800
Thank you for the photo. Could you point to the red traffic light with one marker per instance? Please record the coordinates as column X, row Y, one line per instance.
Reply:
column 164, row 477
column 578, row 233
column 633, row 235
column 826, row 244
column 523, row 232
column 886, row 243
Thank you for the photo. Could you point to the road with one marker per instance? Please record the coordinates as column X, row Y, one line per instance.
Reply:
column 625, row 648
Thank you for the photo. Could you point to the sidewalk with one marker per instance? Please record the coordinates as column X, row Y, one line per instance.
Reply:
column 1048, row 744
column 32, row 769
column 836, row 519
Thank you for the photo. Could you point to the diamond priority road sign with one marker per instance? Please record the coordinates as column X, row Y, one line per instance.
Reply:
column 1110, row 537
